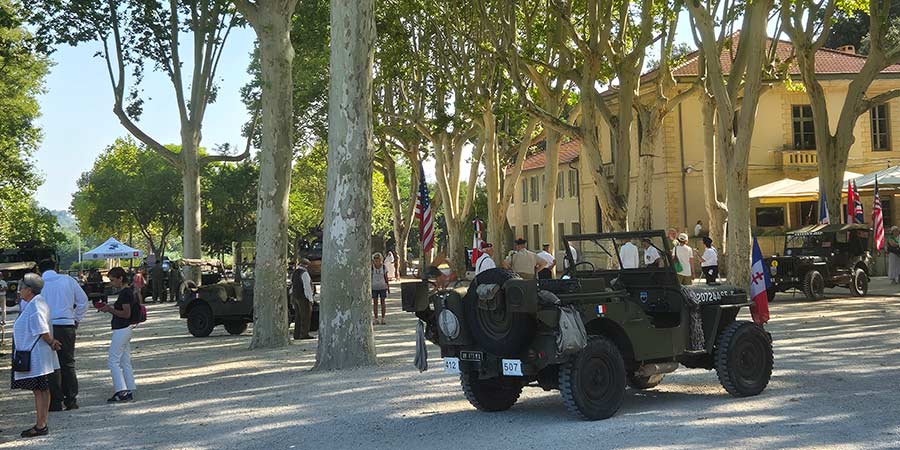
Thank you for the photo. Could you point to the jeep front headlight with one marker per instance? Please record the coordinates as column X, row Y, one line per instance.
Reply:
column 449, row 324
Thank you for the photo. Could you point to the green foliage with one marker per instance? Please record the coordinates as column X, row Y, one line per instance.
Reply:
column 850, row 25
column 24, row 220
column 229, row 205
column 310, row 38
column 130, row 187
column 22, row 71
column 87, row 264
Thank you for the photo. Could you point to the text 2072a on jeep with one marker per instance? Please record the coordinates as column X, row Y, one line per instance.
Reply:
column 823, row 256
column 503, row 333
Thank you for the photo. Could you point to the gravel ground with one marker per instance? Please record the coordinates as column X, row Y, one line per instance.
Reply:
column 836, row 365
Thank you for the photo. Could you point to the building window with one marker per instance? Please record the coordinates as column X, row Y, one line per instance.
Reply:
column 535, row 189
column 525, row 232
column 513, row 227
column 524, row 190
column 573, row 183
column 613, row 143
column 560, row 232
column 561, row 185
column 881, row 130
column 804, row 130
column 537, row 236
column 576, row 228
column 770, row 217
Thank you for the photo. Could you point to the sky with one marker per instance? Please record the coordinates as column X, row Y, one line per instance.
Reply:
column 78, row 123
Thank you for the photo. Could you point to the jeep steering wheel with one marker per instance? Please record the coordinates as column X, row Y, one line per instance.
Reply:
column 574, row 268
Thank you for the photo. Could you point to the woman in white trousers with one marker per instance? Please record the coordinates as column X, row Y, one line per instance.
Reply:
column 120, row 346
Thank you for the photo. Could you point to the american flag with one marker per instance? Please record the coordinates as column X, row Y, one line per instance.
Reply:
column 423, row 213
column 878, row 219
column 857, row 205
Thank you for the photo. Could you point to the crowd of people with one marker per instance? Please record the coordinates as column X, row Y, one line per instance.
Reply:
column 44, row 334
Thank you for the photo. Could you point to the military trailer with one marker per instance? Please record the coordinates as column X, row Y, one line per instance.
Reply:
column 593, row 332
column 16, row 262
column 224, row 303
column 823, row 256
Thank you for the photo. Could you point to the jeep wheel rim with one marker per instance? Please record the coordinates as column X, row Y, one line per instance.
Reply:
column 860, row 284
column 596, row 384
column 750, row 362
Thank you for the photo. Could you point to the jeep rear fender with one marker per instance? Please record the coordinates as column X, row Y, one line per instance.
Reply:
column 602, row 326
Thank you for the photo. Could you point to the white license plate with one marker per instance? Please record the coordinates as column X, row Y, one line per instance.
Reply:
column 451, row 365
column 512, row 367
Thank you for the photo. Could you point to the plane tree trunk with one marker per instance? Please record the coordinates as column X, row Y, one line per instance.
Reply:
column 346, row 338
column 272, row 23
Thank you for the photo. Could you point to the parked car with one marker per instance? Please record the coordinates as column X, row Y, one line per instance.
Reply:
column 503, row 333
column 823, row 256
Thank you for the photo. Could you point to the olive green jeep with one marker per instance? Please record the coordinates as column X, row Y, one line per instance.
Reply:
column 593, row 331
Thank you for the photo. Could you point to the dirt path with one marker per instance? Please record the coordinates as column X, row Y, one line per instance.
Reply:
column 834, row 385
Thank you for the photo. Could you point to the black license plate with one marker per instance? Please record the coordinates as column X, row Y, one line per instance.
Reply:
column 471, row 356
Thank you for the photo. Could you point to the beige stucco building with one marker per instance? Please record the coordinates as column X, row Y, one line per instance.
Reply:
column 782, row 147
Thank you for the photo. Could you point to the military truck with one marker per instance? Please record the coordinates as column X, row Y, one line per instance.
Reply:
column 228, row 303
column 503, row 333
column 16, row 262
column 823, row 256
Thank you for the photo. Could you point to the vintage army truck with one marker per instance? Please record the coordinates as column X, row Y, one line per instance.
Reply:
column 503, row 333
column 823, row 256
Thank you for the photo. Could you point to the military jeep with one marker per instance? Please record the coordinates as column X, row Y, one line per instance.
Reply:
column 224, row 303
column 503, row 333
column 823, row 256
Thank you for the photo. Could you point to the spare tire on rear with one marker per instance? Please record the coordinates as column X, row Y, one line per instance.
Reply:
column 500, row 332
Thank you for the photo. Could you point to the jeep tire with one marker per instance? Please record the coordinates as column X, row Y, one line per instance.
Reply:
column 592, row 384
column 640, row 383
column 814, row 285
column 744, row 359
column 500, row 332
column 200, row 320
column 235, row 327
column 859, row 283
column 495, row 394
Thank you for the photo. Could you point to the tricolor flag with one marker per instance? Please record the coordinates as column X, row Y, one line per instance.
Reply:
column 857, row 205
column 477, row 238
column 851, row 217
column 878, row 219
column 824, row 218
column 759, row 286
column 423, row 213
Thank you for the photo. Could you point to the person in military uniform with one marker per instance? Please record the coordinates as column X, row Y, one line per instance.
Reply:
column 523, row 261
column 157, row 280
column 302, row 293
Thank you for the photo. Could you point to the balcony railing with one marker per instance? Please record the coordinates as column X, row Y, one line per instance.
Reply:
column 799, row 159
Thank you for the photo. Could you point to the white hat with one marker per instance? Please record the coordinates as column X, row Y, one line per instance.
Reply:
column 682, row 237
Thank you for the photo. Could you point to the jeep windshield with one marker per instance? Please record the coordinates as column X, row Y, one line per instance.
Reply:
column 614, row 252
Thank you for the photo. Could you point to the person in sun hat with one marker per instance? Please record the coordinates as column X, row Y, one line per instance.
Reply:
column 683, row 256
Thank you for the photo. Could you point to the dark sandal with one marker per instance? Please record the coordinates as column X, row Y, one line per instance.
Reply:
column 35, row 432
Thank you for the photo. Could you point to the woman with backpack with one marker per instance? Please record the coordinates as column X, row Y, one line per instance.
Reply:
column 126, row 311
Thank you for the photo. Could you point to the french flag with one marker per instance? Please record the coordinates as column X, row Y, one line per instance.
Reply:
column 759, row 286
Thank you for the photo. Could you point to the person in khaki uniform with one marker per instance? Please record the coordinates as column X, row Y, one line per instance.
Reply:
column 523, row 261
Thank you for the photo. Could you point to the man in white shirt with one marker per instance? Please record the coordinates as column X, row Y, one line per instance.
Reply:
column 684, row 256
column 302, row 294
column 485, row 261
column 550, row 261
column 698, row 228
column 628, row 253
column 651, row 254
column 61, row 292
